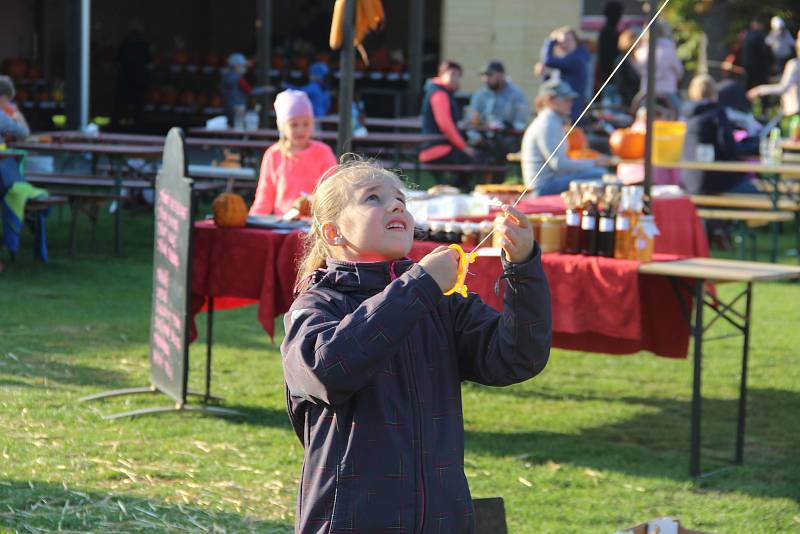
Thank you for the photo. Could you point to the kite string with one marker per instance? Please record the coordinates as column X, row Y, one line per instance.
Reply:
column 585, row 110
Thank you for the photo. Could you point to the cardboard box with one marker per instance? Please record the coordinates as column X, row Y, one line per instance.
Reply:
column 664, row 525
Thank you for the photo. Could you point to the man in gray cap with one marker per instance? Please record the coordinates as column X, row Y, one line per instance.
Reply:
column 499, row 104
column 554, row 103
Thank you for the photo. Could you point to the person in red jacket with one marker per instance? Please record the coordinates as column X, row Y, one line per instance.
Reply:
column 374, row 357
column 440, row 115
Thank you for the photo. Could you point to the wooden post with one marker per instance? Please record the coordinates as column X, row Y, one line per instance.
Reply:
column 651, row 100
column 346, row 68
column 416, row 33
column 264, row 32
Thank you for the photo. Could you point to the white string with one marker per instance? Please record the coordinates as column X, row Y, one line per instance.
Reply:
column 585, row 110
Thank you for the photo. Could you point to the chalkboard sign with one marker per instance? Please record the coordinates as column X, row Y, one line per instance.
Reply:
column 169, row 326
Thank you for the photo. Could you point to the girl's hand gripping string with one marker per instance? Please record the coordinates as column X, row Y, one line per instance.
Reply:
column 517, row 233
column 442, row 265
column 464, row 259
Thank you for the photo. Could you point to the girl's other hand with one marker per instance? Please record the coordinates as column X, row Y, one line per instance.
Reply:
column 517, row 233
column 442, row 265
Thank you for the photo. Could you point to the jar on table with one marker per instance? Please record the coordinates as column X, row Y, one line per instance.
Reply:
column 437, row 232
column 452, row 232
column 643, row 238
column 551, row 233
column 497, row 236
column 422, row 231
column 485, row 228
column 469, row 235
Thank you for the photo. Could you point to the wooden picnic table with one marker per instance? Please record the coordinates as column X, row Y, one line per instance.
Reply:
column 788, row 144
column 786, row 171
column 372, row 138
column 399, row 123
column 117, row 153
column 692, row 274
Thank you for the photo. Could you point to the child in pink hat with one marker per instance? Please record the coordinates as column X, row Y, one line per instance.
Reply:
column 291, row 167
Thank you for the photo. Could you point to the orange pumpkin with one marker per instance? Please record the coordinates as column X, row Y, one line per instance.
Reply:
column 577, row 140
column 583, row 153
column 627, row 144
column 230, row 211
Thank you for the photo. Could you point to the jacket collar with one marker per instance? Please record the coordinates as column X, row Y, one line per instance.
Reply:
column 364, row 276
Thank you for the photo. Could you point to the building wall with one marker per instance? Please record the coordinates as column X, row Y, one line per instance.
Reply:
column 476, row 31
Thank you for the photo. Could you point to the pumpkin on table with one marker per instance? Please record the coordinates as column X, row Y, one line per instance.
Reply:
column 627, row 143
column 230, row 211
column 578, row 146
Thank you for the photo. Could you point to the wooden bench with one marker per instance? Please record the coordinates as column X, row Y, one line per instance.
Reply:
column 744, row 201
column 744, row 221
column 87, row 193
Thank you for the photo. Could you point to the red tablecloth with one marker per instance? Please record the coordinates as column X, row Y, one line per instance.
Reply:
column 599, row 304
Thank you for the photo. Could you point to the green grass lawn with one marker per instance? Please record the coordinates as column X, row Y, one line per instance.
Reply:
column 594, row 444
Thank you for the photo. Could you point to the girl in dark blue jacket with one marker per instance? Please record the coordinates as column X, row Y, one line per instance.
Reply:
column 374, row 356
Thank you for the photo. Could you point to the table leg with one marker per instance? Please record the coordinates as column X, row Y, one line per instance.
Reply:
column 209, row 342
column 697, row 333
column 118, row 212
column 739, row 457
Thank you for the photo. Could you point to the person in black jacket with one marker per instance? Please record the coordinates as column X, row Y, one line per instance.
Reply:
column 756, row 55
column 708, row 124
column 375, row 354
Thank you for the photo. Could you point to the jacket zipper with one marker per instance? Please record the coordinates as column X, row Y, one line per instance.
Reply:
column 417, row 410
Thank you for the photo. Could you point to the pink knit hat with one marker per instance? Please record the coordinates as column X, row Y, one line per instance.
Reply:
column 291, row 103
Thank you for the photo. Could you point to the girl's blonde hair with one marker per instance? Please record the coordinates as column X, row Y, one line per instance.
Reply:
column 332, row 194
column 702, row 87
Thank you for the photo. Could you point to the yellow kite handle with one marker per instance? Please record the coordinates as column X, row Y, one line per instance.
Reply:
column 463, row 266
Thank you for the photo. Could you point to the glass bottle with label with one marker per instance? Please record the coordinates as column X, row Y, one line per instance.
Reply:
column 605, row 223
column 589, row 222
column 573, row 201
column 622, row 227
column 643, row 237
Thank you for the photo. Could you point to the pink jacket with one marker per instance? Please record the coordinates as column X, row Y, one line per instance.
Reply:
column 669, row 69
column 284, row 179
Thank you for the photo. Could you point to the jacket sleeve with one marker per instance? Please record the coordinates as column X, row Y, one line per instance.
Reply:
column 499, row 349
column 264, row 203
column 328, row 355
column 570, row 63
column 791, row 76
column 440, row 105
column 12, row 128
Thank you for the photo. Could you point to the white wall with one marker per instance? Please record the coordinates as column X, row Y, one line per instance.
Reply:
column 512, row 31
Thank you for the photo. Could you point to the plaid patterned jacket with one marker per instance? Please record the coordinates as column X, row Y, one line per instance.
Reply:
column 373, row 368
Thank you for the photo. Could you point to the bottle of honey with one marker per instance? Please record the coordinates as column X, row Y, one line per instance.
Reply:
column 622, row 227
column 573, row 201
column 589, row 222
column 605, row 223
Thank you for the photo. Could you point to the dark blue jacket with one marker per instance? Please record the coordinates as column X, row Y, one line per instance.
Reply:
column 574, row 69
column 429, row 125
column 373, row 369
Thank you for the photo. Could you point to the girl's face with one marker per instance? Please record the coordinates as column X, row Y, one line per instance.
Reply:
column 375, row 224
column 298, row 131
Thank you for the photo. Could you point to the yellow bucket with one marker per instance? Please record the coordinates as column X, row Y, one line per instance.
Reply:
column 668, row 141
